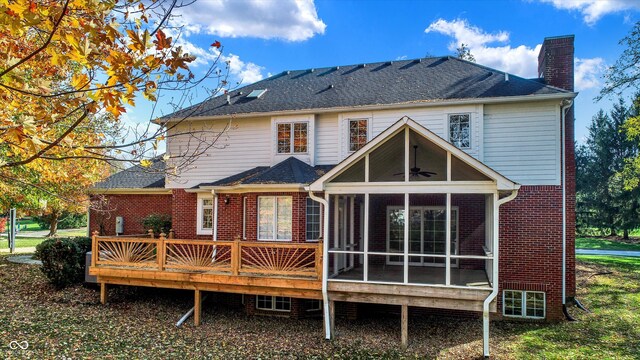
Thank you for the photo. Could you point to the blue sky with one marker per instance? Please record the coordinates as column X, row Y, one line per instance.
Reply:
column 266, row 37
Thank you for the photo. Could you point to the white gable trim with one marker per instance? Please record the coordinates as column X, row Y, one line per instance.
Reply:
column 502, row 183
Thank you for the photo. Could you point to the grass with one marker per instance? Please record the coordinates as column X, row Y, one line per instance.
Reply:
column 21, row 242
column 139, row 323
column 605, row 244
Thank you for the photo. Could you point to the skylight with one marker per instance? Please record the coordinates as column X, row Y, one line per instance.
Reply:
column 257, row 93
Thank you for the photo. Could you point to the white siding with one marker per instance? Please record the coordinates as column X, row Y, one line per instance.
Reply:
column 435, row 119
column 522, row 142
column 245, row 145
column 327, row 144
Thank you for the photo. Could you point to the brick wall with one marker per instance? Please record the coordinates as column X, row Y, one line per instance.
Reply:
column 531, row 245
column 133, row 208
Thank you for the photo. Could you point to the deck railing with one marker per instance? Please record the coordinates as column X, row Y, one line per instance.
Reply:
column 233, row 258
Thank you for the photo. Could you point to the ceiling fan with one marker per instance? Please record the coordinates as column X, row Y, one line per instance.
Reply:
column 415, row 170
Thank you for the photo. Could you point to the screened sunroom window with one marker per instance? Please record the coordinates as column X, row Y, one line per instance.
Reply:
column 460, row 130
column 274, row 218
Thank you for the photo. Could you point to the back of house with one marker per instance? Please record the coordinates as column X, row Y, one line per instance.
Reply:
column 431, row 183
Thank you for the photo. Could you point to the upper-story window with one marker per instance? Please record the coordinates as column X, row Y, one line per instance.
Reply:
column 292, row 137
column 357, row 134
column 460, row 130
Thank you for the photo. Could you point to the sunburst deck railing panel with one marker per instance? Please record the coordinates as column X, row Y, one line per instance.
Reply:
column 198, row 255
column 280, row 259
column 233, row 258
column 140, row 253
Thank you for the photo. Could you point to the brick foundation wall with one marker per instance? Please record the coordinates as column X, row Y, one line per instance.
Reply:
column 133, row 208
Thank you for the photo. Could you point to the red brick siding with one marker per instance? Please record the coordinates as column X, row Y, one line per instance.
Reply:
column 133, row 208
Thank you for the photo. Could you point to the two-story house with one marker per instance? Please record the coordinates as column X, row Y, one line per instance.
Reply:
column 434, row 182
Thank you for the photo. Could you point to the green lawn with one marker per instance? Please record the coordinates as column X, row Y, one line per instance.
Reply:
column 21, row 242
column 28, row 225
column 604, row 244
column 609, row 287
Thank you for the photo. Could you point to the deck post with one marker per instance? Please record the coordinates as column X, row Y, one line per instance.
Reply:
column 319, row 259
column 94, row 248
column 404, row 324
column 197, row 307
column 332, row 319
column 160, row 249
column 150, row 232
column 103, row 293
column 235, row 257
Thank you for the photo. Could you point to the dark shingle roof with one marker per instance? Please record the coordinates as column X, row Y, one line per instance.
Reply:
column 136, row 177
column 397, row 82
column 289, row 171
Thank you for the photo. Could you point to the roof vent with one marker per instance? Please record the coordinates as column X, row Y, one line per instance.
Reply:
column 337, row 67
column 257, row 93
column 506, row 77
column 287, row 72
column 417, row 61
column 363, row 65
column 312, row 70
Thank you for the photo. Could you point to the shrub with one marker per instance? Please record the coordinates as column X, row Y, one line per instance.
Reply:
column 66, row 221
column 3, row 224
column 158, row 222
column 63, row 259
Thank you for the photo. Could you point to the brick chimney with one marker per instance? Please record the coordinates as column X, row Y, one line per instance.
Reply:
column 555, row 61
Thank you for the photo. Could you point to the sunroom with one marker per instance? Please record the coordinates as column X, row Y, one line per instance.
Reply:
column 411, row 209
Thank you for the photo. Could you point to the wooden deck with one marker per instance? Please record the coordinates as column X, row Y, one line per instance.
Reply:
column 260, row 268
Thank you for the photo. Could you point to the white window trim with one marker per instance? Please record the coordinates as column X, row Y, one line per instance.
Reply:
column 348, row 125
column 344, row 130
column 292, row 138
column 320, row 223
column 467, row 148
column 523, row 294
column 309, row 156
column 273, row 304
column 200, row 209
column 275, row 218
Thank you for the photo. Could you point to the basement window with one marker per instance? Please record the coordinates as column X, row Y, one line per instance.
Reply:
column 273, row 303
column 524, row 304
column 314, row 305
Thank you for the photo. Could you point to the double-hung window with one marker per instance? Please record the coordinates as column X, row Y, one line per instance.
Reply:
column 357, row 134
column 292, row 137
column 460, row 130
column 205, row 215
column 313, row 222
column 275, row 218
column 527, row 304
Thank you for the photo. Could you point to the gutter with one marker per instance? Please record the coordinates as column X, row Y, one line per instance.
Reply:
column 412, row 104
column 325, row 263
column 487, row 302
column 132, row 191
column 565, row 105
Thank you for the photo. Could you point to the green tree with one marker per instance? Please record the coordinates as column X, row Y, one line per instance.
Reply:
column 600, row 164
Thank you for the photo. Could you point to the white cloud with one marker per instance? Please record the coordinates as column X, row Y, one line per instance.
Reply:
column 588, row 73
column 266, row 19
column 593, row 10
column 521, row 60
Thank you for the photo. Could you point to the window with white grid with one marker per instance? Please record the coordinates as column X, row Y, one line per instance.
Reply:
column 275, row 218
column 526, row 304
column 313, row 222
column 460, row 130
column 273, row 303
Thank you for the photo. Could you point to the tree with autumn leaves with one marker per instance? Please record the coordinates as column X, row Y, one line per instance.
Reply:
column 68, row 71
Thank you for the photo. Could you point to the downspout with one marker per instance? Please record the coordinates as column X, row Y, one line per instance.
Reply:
column 495, row 268
column 215, row 215
column 325, row 262
column 565, row 105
